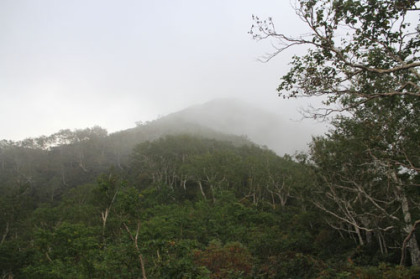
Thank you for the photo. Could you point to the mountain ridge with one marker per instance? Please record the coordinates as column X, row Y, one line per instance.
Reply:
column 240, row 118
column 226, row 119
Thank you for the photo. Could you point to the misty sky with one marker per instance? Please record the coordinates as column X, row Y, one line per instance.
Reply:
column 76, row 64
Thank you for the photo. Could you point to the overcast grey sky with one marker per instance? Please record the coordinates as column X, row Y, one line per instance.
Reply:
column 80, row 63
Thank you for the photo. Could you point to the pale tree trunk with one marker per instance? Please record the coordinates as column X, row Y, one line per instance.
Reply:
column 412, row 242
column 201, row 189
column 407, row 241
column 105, row 214
column 135, row 241
column 409, row 229
column 359, row 236
column 414, row 253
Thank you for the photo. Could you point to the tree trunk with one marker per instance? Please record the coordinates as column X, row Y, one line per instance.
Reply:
column 136, row 245
column 412, row 242
column 407, row 241
column 414, row 251
column 201, row 189
column 359, row 236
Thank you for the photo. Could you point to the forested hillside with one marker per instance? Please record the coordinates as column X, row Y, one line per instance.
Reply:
column 72, row 209
column 178, row 206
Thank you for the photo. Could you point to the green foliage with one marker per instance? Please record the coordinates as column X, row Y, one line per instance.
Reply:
column 380, row 271
column 292, row 265
column 208, row 166
column 174, row 259
column 362, row 58
column 229, row 261
column 66, row 252
column 255, row 204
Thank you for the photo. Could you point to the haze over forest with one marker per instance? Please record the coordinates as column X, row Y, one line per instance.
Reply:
column 238, row 118
column 265, row 128
column 146, row 140
column 72, row 64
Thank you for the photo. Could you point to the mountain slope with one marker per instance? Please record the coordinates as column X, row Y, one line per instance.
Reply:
column 236, row 117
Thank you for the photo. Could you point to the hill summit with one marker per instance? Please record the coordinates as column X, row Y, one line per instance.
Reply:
column 237, row 117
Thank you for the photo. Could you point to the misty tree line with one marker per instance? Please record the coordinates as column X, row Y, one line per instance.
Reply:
column 182, row 207
column 177, row 200
column 70, row 157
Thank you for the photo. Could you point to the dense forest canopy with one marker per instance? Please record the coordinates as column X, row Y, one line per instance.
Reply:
column 179, row 206
column 176, row 201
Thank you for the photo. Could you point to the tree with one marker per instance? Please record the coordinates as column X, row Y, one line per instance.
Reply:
column 362, row 183
column 359, row 50
column 363, row 57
